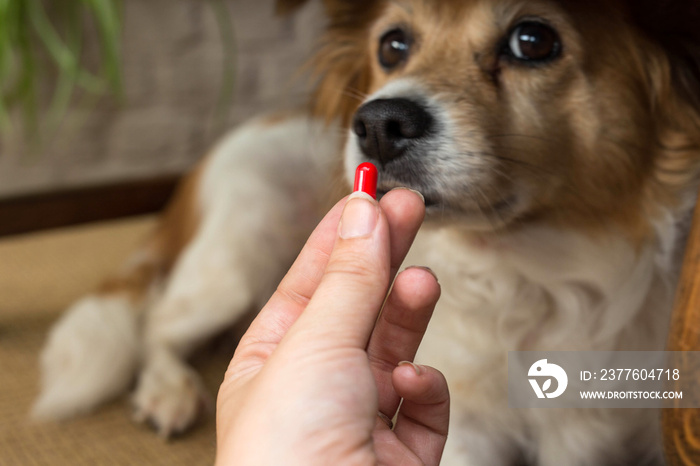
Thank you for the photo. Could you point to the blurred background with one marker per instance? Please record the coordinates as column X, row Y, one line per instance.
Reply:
column 104, row 104
column 167, row 77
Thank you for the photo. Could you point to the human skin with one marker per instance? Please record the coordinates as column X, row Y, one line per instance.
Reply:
column 320, row 361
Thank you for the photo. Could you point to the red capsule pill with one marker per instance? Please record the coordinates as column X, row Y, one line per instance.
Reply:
column 366, row 179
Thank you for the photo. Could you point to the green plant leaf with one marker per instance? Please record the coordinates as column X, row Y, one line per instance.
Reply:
column 35, row 45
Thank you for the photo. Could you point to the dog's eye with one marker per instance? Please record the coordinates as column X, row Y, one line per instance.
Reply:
column 534, row 42
column 394, row 47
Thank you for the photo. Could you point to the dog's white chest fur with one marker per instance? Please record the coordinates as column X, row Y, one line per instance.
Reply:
column 538, row 289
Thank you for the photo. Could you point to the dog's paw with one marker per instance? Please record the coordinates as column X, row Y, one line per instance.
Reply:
column 169, row 396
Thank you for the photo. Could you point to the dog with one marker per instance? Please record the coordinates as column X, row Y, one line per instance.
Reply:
column 557, row 145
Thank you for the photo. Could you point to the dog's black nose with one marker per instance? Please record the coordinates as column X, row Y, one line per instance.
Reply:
column 386, row 127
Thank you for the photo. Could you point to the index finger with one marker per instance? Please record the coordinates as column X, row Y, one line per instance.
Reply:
column 404, row 212
column 345, row 305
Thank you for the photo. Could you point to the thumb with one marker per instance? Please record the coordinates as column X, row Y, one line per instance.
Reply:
column 344, row 307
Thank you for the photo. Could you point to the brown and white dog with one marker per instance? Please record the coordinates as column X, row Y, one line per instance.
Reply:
column 557, row 144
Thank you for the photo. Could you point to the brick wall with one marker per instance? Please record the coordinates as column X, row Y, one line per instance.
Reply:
column 172, row 56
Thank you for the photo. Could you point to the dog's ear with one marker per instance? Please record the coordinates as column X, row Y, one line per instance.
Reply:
column 685, row 69
column 673, row 67
column 673, row 24
column 341, row 66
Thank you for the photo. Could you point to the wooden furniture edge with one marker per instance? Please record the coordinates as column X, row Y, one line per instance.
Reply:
column 35, row 212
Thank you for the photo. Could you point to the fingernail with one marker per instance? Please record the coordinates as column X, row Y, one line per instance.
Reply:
column 427, row 269
column 422, row 198
column 359, row 216
column 416, row 367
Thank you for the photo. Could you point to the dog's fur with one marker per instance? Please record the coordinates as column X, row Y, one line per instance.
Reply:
column 556, row 199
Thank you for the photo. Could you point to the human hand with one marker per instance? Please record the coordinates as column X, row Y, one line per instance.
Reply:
column 316, row 366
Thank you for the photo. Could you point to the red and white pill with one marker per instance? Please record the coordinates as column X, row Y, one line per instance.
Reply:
column 366, row 179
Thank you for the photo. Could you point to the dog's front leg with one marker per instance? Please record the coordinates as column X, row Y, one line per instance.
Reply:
column 208, row 291
column 262, row 191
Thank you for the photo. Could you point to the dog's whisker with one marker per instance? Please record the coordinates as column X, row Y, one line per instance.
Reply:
column 355, row 94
